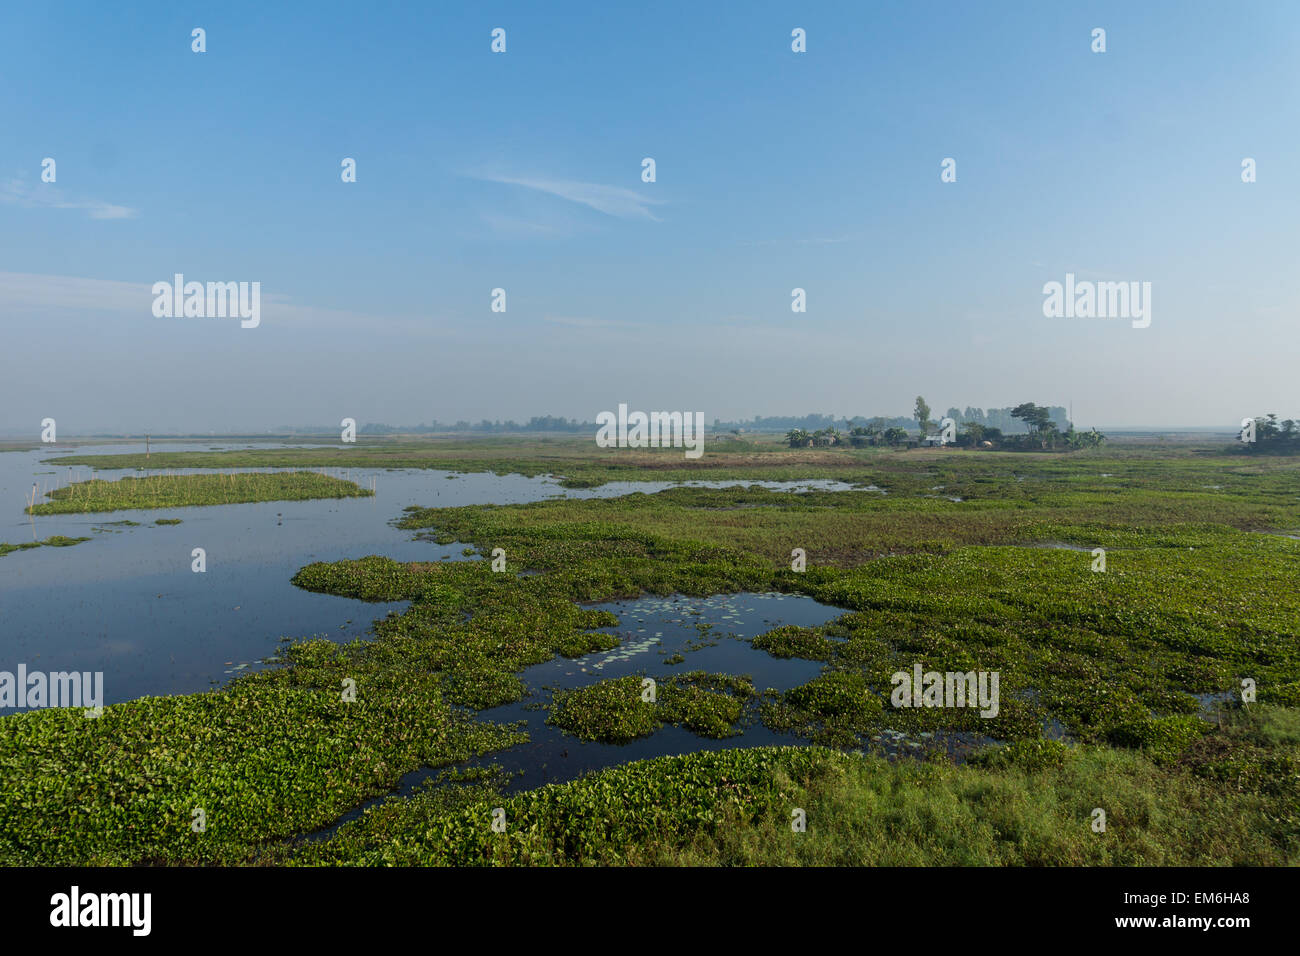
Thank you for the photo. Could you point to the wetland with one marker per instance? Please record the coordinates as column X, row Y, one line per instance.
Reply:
column 645, row 677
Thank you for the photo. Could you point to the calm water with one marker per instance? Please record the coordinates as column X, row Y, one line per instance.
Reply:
column 128, row 604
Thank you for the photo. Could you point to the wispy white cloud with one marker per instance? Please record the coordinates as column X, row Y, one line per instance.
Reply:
column 579, row 322
column 1085, row 272
column 811, row 241
column 34, row 293
column 49, row 196
column 610, row 200
column 513, row 228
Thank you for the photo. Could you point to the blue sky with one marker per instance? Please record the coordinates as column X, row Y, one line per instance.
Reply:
column 522, row 170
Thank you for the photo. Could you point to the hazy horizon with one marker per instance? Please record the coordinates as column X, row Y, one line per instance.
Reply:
column 306, row 431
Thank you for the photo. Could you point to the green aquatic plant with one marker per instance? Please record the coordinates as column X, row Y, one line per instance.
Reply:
column 792, row 641
column 611, row 711
column 54, row 541
column 708, row 705
column 177, row 491
column 836, row 709
column 62, row 541
column 7, row 548
column 625, row 708
column 275, row 753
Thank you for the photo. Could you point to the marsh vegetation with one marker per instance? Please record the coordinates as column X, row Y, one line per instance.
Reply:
column 180, row 491
column 53, row 541
column 1105, row 678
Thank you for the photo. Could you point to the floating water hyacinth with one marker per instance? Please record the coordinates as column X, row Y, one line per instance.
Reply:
column 169, row 491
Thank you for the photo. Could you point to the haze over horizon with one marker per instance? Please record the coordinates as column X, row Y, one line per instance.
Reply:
column 775, row 170
column 307, row 430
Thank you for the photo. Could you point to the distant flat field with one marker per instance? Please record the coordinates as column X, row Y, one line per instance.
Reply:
column 578, row 462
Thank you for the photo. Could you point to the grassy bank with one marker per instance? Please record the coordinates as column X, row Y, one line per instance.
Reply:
column 1229, row 804
column 180, row 491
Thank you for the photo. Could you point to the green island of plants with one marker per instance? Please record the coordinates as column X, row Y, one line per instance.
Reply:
column 53, row 541
column 179, row 491
column 618, row 710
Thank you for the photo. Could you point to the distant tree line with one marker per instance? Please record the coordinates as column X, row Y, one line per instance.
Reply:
column 808, row 423
column 538, row 423
column 998, row 418
column 1043, row 432
column 994, row 424
column 1005, row 419
column 1272, row 436
column 1036, row 431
